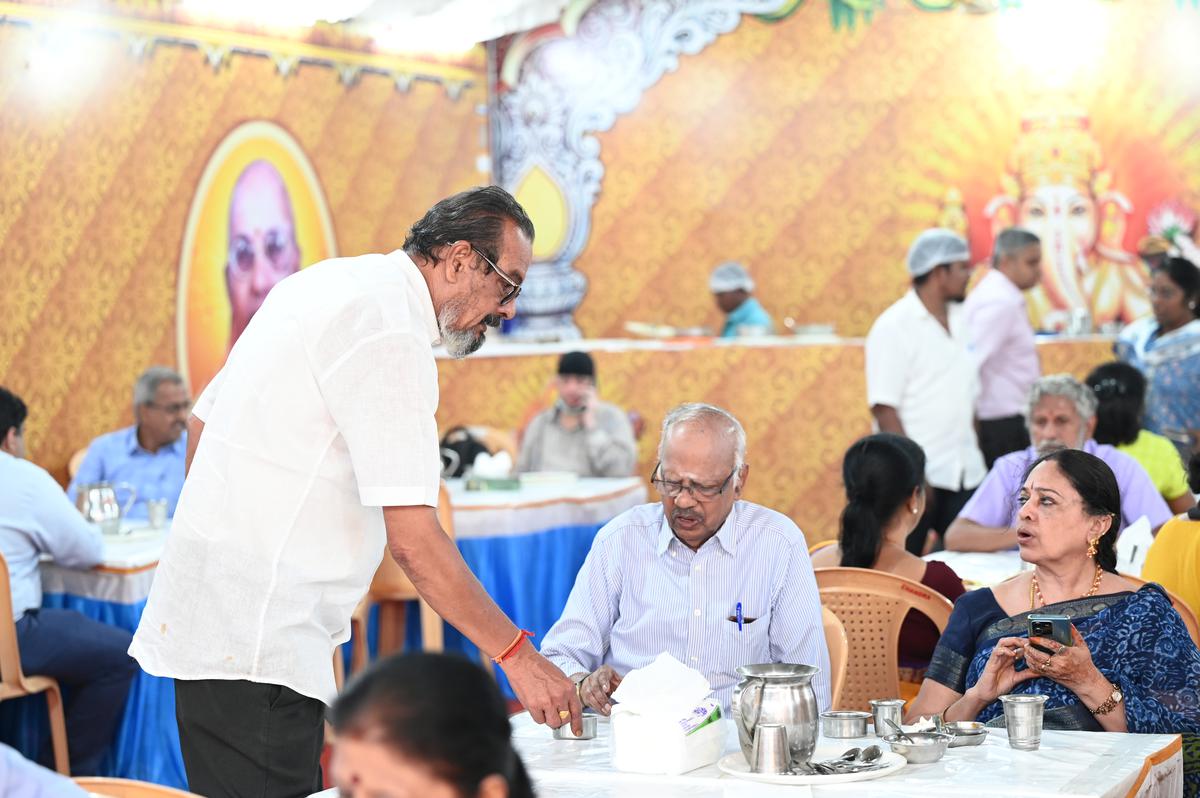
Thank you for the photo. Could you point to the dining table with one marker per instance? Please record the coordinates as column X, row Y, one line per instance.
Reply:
column 1066, row 765
column 146, row 745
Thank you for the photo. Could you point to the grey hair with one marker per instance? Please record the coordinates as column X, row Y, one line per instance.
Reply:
column 147, row 384
column 1010, row 241
column 698, row 411
column 1066, row 386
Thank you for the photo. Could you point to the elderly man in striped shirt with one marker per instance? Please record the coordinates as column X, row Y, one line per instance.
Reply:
column 715, row 581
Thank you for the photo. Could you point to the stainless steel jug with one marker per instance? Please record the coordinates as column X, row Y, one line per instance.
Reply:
column 782, row 694
column 98, row 503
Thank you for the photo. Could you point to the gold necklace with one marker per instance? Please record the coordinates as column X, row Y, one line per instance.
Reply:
column 1035, row 592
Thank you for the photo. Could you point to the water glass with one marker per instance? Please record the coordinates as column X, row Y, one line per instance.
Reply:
column 883, row 710
column 770, row 753
column 1023, row 719
column 156, row 511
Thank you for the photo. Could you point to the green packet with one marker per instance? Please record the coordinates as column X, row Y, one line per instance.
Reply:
column 709, row 711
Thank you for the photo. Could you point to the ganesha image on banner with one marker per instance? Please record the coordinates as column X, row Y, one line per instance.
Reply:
column 1056, row 186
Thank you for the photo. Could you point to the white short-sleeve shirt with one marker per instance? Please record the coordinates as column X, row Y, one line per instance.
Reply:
column 322, row 415
column 929, row 376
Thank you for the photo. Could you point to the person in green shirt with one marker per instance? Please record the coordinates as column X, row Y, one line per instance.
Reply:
column 732, row 287
column 1121, row 391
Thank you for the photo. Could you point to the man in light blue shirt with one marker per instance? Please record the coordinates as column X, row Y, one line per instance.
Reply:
column 85, row 656
column 673, row 576
column 732, row 287
column 150, row 454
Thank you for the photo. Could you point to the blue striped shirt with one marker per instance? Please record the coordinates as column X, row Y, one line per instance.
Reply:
column 641, row 592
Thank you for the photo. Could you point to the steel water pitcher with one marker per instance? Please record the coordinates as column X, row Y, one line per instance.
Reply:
column 98, row 503
column 778, row 693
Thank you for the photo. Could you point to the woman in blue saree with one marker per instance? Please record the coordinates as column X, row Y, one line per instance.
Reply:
column 1132, row 666
column 1166, row 348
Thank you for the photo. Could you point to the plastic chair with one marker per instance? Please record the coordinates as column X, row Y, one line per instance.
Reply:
column 128, row 788
column 14, row 683
column 872, row 606
column 496, row 440
column 390, row 589
column 821, row 544
column 76, row 461
column 839, row 653
column 1181, row 606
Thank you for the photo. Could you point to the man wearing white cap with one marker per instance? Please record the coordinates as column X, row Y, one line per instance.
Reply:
column 732, row 285
column 921, row 380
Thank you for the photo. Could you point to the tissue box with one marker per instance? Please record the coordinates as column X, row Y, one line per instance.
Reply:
column 657, row 745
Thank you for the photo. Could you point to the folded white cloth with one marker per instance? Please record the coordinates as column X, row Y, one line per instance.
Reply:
column 488, row 466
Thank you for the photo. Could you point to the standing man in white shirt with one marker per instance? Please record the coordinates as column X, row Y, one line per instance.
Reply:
column 87, row 657
column 922, row 381
column 315, row 445
column 1003, row 344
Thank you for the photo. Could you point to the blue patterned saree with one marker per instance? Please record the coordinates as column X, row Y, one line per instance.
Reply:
column 1137, row 641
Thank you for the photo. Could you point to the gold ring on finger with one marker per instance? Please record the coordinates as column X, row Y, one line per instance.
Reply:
column 563, row 714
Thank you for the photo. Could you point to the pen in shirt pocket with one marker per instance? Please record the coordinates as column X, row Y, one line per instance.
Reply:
column 739, row 615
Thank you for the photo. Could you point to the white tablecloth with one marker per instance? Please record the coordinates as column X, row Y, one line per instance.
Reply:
column 123, row 577
column 583, row 502
column 981, row 568
column 1079, row 764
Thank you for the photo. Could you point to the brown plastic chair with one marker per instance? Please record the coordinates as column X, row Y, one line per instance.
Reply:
column 821, row 544
column 496, row 440
column 390, row 589
column 76, row 461
column 14, row 683
column 839, row 653
column 872, row 606
column 128, row 788
column 1181, row 606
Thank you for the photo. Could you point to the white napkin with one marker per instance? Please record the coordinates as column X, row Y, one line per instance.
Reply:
column 488, row 466
column 665, row 687
column 1132, row 546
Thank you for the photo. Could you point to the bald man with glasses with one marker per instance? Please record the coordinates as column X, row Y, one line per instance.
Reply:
column 714, row 581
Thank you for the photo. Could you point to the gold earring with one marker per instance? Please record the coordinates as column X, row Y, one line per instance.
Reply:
column 1092, row 549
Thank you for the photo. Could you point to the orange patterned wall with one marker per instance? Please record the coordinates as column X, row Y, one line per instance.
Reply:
column 816, row 155
column 801, row 405
column 95, row 187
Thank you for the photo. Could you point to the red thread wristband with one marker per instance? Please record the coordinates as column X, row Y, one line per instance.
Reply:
column 512, row 647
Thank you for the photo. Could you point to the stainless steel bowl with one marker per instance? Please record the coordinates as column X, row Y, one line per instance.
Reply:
column 844, row 723
column 925, row 747
column 563, row 732
column 966, row 732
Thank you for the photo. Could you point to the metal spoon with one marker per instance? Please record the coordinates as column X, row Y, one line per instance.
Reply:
column 899, row 731
column 870, row 754
column 850, row 755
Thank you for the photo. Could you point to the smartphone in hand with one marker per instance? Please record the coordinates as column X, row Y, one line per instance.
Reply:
column 1053, row 627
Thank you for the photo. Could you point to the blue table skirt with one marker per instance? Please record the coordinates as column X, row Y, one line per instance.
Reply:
column 529, row 576
column 147, row 742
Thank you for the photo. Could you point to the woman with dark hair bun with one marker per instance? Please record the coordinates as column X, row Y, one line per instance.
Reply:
column 1121, row 397
column 425, row 724
column 884, row 475
column 1166, row 348
column 1130, row 665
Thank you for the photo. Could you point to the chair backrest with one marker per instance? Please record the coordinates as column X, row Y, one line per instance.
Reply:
column 872, row 606
column 497, row 440
column 128, row 788
column 839, row 653
column 821, row 544
column 1181, row 606
column 76, row 461
column 10, row 655
column 390, row 581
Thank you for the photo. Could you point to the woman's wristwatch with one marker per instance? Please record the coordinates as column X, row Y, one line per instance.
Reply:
column 1114, row 698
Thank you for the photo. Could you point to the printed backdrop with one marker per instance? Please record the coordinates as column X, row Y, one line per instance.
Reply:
column 815, row 155
column 99, row 168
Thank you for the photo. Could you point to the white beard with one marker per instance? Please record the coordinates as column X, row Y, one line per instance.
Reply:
column 458, row 343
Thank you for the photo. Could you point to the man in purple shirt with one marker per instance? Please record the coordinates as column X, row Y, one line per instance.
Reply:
column 1002, row 342
column 1062, row 413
